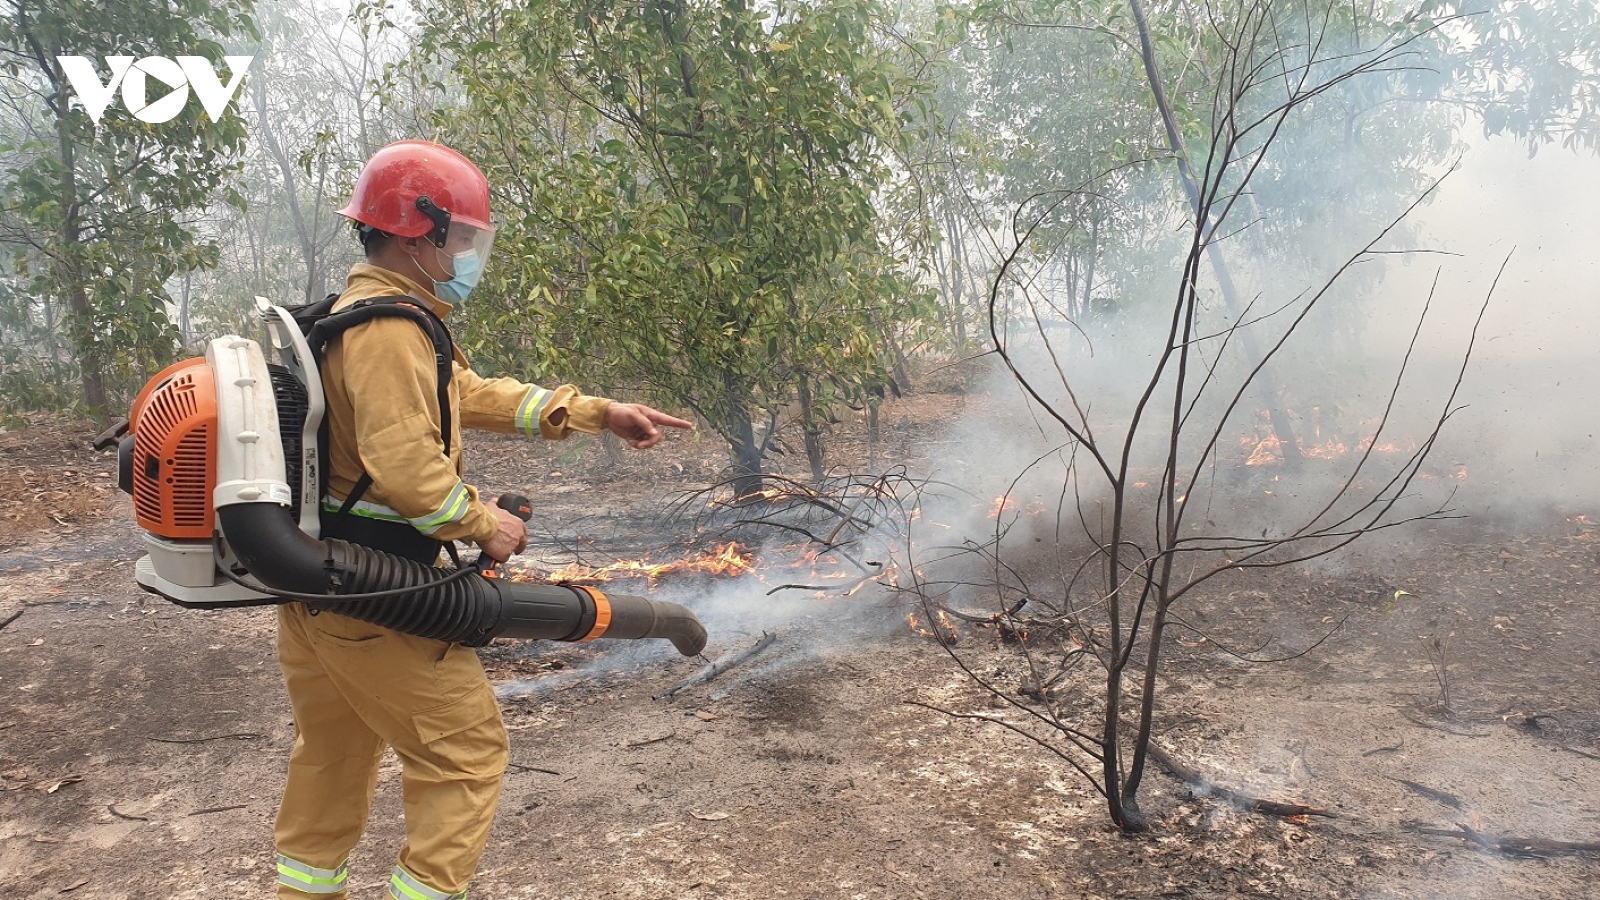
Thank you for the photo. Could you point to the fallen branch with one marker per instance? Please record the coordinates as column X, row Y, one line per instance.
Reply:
column 1434, row 794
column 991, row 619
column 844, row 588
column 1583, row 753
column 216, row 809
column 1416, row 719
column 1203, row 787
column 238, row 736
column 522, row 768
column 720, row 666
column 1508, row 845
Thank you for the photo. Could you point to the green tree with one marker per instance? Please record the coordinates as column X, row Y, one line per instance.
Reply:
column 690, row 193
column 1527, row 68
column 314, row 114
column 96, row 215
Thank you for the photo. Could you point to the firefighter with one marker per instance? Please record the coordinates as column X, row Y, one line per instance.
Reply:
column 395, row 483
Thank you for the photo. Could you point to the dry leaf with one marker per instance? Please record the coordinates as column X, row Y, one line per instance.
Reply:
column 709, row 817
column 75, row 885
column 56, row 785
column 704, row 716
column 36, row 642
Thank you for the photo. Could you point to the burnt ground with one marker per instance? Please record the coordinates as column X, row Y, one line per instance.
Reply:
column 142, row 746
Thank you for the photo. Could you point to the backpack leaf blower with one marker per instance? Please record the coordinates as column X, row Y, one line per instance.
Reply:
column 221, row 456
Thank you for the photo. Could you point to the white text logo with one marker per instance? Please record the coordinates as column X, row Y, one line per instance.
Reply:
column 179, row 75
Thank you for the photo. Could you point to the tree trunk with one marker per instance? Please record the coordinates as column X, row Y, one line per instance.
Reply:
column 1089, row 267
column 898, row 369
column 184, row 325
column 69, row 271
column 958, row 281
column 308, row 244
column 1230, row 295
column 747, row 451
column 811, row 430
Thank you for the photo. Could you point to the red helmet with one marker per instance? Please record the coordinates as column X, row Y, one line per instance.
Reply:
column 417, row 188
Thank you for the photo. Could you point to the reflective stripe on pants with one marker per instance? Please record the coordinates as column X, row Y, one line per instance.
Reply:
column 405, row 886
column 308, row 879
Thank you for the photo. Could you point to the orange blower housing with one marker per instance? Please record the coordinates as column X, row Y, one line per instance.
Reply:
column 174, row 422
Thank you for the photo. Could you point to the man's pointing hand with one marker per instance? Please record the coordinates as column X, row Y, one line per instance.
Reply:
column 637, row 424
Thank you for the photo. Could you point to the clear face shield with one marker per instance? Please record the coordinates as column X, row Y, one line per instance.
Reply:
column 465, row 255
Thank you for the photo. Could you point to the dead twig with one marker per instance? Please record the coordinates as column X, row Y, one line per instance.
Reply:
column 843, row 588
column 720, row 666
column 1434, row 794
column 1417, row 718
column 1204, row 787
column 522, row 768
column 216, row 809
column 238, row 736
column 13, row 617
column 112, row 808
column 655, row 740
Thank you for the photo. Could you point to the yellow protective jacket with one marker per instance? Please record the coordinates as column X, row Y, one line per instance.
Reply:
column 382, row 387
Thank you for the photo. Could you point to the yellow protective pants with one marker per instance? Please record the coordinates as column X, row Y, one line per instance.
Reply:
column 356, row 688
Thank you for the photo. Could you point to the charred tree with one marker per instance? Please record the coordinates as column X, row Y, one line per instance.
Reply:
column 1144, row 555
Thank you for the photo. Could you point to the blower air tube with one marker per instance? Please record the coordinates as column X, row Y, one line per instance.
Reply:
column 472, row 610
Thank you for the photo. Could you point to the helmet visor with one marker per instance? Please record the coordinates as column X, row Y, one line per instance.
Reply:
column 464, row 238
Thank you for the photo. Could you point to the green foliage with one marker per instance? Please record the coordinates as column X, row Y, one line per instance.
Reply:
column 96, row 217
column 687, row 189
column 1528, row 68
column 35, row 368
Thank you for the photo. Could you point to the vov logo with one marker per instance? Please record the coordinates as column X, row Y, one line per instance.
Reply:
column 180, row 75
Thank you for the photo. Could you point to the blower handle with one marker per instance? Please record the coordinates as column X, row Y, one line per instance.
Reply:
column 518, row 506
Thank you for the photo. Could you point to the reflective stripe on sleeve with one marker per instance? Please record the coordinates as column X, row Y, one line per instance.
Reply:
column 455, row 507
column 404, row 886
column 310, row 879
column 531, row 410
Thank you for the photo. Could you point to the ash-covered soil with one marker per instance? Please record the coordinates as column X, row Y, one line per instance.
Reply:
column 142, row 746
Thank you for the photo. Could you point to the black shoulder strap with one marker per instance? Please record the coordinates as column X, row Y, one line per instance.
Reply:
column 325, row 325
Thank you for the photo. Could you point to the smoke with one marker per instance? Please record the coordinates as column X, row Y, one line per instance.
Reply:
column 1525, row 431
column 737, row 612
column 1512, row 451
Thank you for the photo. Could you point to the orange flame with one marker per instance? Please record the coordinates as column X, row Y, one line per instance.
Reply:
column 943, row 627
column 1268, row 449
column 724, row 560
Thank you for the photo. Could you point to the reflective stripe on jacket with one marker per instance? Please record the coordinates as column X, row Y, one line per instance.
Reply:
column 383, row 415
